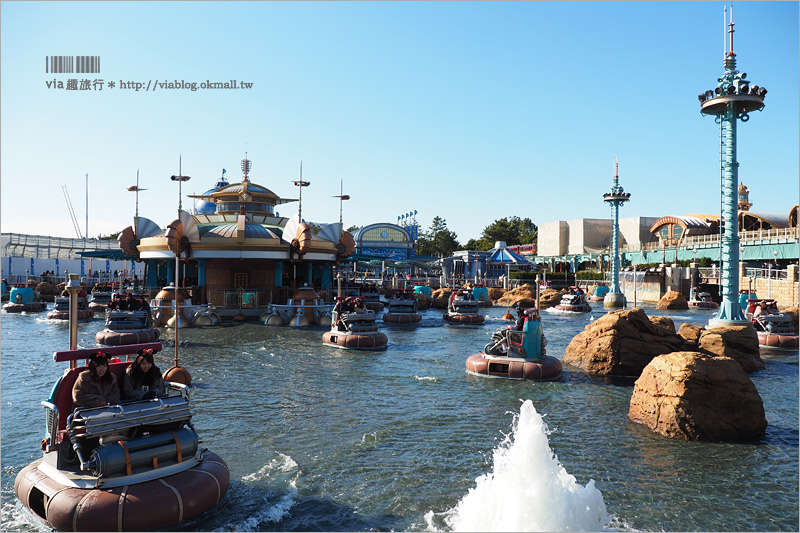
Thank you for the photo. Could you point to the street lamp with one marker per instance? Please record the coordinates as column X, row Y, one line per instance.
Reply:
column 300, row 183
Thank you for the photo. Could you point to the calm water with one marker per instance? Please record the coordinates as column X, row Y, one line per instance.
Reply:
column 320, row 439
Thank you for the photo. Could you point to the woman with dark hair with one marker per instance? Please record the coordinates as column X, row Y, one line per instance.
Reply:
column 143, row 378
column 96, row 386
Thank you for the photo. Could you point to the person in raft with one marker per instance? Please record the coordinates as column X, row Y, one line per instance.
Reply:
column 96, row 386
column 142, row 379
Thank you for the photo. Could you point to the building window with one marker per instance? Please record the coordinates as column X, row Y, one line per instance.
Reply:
column 240, row 281
column 384, row 234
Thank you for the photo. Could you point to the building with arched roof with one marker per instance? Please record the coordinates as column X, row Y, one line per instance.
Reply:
column 385, row 240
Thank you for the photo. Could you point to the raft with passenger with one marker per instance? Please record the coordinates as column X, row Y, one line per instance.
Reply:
column 402, row 308
column 773, row 328
column 463, row 309
column 573, row 302
column 128, row 321
column 517, row 352
column 136, row 465
column 61, row 308
column 353, row 326
column 598, row 294
column 701, row 299
column 481, row 294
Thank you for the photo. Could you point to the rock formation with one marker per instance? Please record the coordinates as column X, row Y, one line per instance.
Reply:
column 621, row 343
column 673, row 300
column 691, row 334
column 737, row 342
column 664, row 322
column 694, row 396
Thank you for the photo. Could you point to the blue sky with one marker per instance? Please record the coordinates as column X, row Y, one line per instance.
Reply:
column 471, row 111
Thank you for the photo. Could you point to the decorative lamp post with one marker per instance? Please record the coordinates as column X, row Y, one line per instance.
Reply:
column 177, row 373
column 617, row 197
column 733, row 99
column 341, row 196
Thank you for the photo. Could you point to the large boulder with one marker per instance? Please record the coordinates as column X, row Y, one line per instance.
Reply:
column 621, row 343
column 496, row 293
column 673, row 300
column 737, row 342
column 45, row 288
column 698, row 397
column 691, row 333
column 440, row 298
column 524, row 296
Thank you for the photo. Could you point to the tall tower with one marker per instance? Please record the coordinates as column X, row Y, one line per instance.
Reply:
column 732, row 100
column 617, row 197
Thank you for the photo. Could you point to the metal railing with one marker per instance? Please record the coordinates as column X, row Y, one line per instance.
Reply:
column 779, row 234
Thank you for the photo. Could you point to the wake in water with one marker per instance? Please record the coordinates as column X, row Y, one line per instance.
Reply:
column 261, row 506
column 528, row 489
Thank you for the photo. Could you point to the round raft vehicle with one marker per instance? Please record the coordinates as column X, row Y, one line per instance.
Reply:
column 402, row 308
column 353, row 327
column 372, row 297
column 135, row 466
column 61, row 308
column 463, row 309
column 100, row 297
column 128, row 321
column 773, row 328
column 517, row 352
column 23, row 299
column 574, row 302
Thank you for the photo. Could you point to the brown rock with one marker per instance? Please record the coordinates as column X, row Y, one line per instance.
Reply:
column 495, row 293
column 441, row 293
column 694, row 396
column 691, row 333
column 664, row 322
column 620, row 343
column 673, row 300
column 46, row 288
column 737, row 342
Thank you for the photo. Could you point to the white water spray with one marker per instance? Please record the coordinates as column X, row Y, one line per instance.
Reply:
column 528, row 490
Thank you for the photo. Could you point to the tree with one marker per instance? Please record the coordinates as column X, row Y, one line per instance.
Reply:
column 351, row 229
column 438, row 241
column 512, row 231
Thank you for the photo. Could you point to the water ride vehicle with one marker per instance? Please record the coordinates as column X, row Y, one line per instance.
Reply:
column 701, row 299
column 353, row 327
column 773, row 328
column 128, row 321
column 463, row 309
column 24, row 299
column 134, row 466
column 100, row 297
column 372, row 297
column 517, row 352
column 402, row 308
column 61, row 308
column 574, row 301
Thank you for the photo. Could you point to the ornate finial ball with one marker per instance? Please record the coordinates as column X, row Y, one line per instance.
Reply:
column 240, row 317
column 178, row 374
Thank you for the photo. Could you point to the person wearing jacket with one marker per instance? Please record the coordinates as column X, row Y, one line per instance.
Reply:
column 96, row 386
column 142, row 379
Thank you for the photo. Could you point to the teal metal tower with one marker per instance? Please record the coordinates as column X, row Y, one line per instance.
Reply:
column 733, row 99
column 617, row 197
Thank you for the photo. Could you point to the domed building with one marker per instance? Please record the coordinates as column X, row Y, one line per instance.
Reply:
column 241, row 255
column 206, row 207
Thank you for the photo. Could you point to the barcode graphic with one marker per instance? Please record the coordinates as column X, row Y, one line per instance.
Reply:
column 70, row 64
